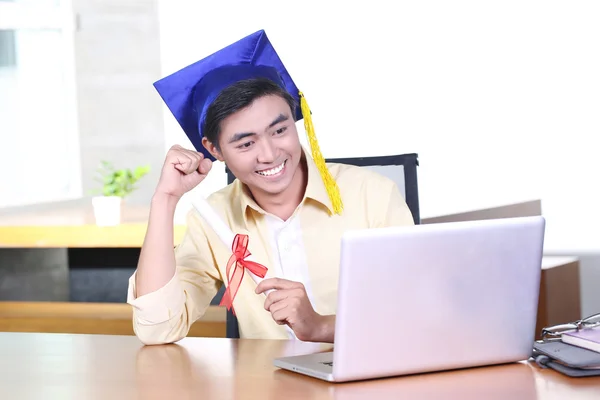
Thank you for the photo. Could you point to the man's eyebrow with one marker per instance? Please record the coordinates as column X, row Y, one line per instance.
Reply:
column 239, row 136
column 280, row 118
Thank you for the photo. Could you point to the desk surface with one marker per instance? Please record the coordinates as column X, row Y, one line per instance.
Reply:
column 118, row 367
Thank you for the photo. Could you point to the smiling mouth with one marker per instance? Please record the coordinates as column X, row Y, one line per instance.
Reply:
column 272, row 171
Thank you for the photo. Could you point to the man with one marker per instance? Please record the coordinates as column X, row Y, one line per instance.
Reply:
column 240, row 106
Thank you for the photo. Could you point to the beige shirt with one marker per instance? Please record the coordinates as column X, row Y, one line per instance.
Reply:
column 304, row 248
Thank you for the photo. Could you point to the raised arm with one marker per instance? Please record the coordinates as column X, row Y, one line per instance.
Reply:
column 156, row 292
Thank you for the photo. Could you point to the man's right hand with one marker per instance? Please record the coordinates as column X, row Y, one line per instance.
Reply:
column 182, row 171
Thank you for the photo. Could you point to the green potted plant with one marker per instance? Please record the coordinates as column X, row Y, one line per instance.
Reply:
column 117, row 184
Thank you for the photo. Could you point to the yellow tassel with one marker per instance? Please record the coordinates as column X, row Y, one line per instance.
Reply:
column 330, row 184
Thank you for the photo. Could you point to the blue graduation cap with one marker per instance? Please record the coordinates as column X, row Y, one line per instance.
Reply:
column 189, row 92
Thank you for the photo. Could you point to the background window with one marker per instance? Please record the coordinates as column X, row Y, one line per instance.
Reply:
column 39, row 148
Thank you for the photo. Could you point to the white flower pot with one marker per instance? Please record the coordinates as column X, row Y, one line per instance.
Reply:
column 107, row 210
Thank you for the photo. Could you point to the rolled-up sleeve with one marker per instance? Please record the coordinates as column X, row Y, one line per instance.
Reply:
column 166, row 315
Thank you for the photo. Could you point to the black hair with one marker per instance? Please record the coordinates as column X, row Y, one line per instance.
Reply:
column 237, row 97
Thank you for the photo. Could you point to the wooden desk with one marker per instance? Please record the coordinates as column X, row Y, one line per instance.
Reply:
column 118, row 367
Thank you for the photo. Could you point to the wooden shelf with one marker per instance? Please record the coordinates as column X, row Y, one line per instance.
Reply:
column 125, row 235
column 91, row 318
column 72, row 226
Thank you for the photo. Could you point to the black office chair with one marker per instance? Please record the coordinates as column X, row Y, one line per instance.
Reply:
column 401, row 168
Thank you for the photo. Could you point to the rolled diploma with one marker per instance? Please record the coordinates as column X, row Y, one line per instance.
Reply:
column 227, row 237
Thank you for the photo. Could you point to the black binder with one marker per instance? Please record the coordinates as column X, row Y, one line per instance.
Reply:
column 565, row 358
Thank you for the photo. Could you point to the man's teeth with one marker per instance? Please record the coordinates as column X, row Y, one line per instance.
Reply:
column 271, row 171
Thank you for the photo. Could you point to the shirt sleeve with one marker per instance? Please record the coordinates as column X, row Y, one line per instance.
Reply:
column 397, row 211
column 166, row 315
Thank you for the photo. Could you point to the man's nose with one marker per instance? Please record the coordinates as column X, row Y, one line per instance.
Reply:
column 268, row 152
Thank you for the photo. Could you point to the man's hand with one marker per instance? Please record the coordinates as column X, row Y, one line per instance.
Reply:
column 182, row 171
column 289, row 305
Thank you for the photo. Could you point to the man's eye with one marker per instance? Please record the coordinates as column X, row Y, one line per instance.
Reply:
column 281, row 130
column 245, row 145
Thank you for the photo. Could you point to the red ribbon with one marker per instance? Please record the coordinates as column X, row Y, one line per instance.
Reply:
column 240, row 252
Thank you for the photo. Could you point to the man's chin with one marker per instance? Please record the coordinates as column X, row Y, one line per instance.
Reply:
column 271, row 188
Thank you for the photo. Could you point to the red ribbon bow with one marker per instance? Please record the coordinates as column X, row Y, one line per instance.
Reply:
column 240, row 252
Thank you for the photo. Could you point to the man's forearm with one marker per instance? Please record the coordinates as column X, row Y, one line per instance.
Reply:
column 326, row 329
column 156, row 265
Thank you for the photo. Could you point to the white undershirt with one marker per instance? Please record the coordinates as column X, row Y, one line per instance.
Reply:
column 289, row 256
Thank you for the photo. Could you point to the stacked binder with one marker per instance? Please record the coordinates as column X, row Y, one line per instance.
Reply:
column 572, row 349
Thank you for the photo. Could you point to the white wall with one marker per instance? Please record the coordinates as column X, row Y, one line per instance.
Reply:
column 500, row 99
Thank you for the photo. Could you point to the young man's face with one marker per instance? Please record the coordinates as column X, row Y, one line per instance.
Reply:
column 260, row 145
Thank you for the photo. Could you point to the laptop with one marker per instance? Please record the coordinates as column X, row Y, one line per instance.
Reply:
column 431, row 298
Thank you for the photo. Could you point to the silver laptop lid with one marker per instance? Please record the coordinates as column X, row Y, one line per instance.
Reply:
column 438, row 296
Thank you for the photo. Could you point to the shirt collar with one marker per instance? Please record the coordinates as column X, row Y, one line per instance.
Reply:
column 315, row 189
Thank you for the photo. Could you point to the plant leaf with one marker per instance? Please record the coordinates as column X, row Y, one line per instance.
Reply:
column 119, row 182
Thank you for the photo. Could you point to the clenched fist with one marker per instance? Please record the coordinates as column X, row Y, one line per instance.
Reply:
column 182, row 171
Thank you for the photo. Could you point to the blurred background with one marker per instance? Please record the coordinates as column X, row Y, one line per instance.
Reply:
column 500, row 100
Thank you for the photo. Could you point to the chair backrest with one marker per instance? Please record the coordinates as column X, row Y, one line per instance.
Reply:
column 401, row 168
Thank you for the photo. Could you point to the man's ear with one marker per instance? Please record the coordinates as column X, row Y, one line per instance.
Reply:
column 212, row 149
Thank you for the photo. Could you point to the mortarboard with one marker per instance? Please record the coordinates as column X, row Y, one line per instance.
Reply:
column 189, row 92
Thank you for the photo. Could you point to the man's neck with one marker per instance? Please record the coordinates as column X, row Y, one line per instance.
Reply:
column 284, row 204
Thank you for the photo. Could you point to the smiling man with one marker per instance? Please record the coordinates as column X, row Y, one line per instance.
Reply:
column 254, row 121
column 240, row 106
